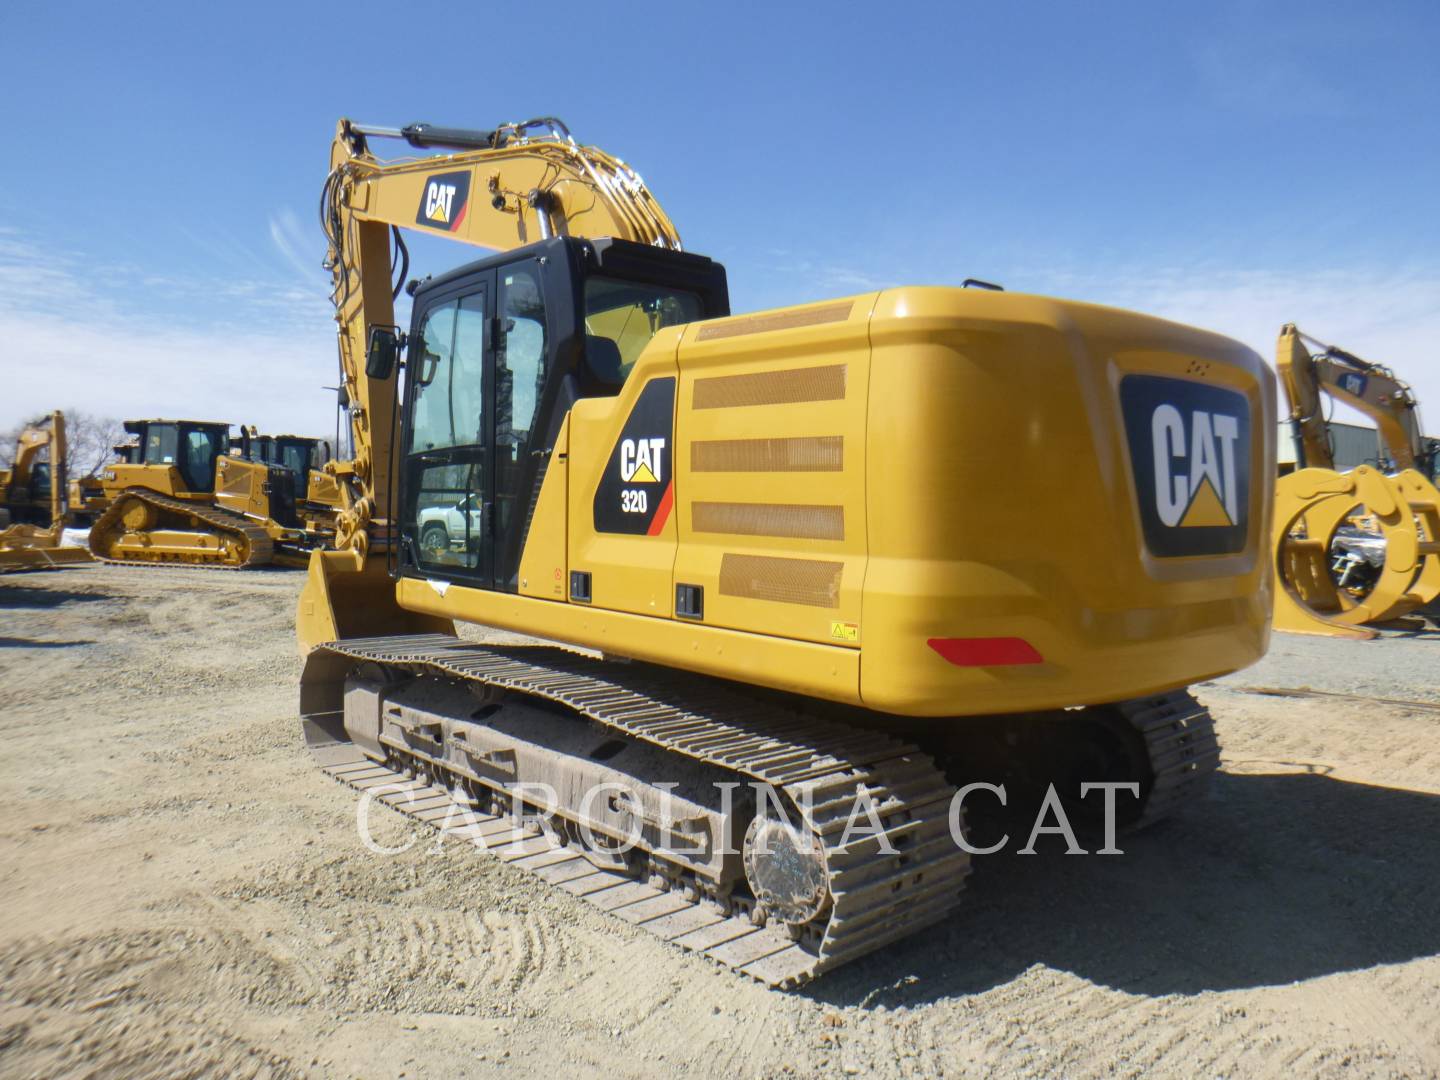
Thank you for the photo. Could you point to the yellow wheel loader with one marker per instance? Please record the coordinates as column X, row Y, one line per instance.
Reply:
column 181, row 498
column 1362, row 547
column 33, row 512
column 807, row 567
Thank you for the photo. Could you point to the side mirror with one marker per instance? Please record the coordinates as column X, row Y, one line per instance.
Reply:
column 382, row 351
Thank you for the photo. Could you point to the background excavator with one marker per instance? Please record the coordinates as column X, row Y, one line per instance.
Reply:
column 806, row 563
column 1363, row 546
column 33, row 511
column 181, row 497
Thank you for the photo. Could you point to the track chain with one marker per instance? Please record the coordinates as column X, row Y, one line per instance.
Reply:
column 823, row 768
column 261, row 551
column 1183, row 749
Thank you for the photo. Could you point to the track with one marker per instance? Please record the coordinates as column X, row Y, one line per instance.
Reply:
column 258, row 548
column 1182, row 748
column 823, row 768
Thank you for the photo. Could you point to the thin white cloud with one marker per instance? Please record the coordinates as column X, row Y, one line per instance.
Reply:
column 121, row 341
column 1391, row 318
column 303, row 249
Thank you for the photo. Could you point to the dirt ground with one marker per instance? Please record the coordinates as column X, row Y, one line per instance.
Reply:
column 184, row 895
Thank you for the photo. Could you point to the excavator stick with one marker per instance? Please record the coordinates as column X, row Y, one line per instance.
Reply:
column 1311, row 507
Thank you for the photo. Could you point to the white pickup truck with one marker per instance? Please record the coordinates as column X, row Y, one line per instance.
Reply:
column 447, row 528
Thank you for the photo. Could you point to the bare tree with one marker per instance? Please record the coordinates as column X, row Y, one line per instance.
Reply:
column 90, row 442
column 89, row 439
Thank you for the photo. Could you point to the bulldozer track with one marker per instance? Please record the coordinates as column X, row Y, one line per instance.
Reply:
column 261, row 547
column 882, row 887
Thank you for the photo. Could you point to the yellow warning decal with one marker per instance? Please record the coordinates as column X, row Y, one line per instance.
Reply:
column 845, row 631
column 1205, row 509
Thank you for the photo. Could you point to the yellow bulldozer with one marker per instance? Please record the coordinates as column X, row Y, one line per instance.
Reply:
column 181, row 497
column 805, row 563
column 1357, row 548
column 318, row 497
column 33, row 511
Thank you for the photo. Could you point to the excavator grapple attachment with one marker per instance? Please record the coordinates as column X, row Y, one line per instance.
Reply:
column 1322, row 592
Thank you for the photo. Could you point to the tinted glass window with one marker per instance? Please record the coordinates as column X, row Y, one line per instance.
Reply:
column 161, row 444
column 447, row 452
column 449, row 384
column 295, row 457
column 630, row 313
column 202, row 447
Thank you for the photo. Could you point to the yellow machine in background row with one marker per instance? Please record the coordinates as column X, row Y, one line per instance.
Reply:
column 850, row 547
column 181, row 497
column 1359, row 547
column 33, row 512
column 317, row 493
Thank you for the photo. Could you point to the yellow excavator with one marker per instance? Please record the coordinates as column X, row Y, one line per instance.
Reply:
column 33, row 511
column 804, row 566
column 1354, row 548
column 181, row 497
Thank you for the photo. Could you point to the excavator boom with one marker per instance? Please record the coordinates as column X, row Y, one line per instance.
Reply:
column 1372, row 389
column 502, row 188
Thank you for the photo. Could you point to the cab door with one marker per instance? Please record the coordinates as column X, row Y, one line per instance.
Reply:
column 447, row 477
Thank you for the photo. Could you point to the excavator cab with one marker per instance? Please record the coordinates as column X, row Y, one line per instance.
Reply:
column 498, row 352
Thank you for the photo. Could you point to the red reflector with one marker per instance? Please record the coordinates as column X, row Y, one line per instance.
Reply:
column 985, row 651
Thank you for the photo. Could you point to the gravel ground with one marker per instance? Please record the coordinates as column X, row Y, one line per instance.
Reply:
column 185, row 895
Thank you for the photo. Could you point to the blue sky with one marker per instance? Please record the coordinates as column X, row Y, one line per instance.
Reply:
column 1233, row 165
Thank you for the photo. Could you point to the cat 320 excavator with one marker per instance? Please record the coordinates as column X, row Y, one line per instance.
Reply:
column 796, row 562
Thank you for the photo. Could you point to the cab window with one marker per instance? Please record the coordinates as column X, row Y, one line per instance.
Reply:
column 161, row 444
column 630, row 313
column 446, row 448
column 202, row 447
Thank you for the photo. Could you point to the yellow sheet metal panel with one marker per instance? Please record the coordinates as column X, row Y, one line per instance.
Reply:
column 241, row 486
column 820, row 671
column 770, row 482
column 162, row 478
column 621, row 524
column 1003, row 503
column 544, row 568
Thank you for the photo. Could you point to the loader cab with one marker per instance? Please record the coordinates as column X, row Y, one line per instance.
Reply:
column 191, row 446
column 498, row 351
